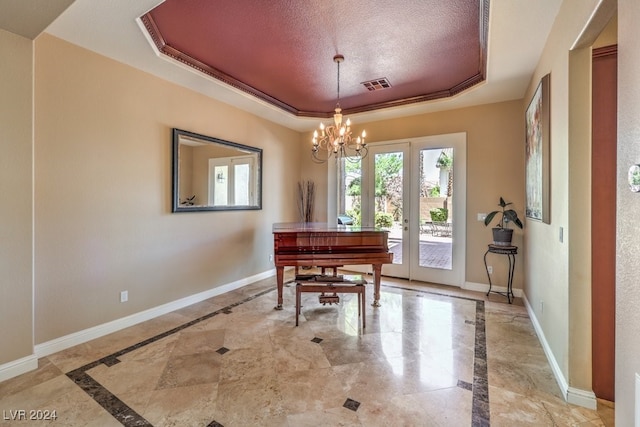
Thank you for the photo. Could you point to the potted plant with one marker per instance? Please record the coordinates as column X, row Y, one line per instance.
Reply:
column 502, row 234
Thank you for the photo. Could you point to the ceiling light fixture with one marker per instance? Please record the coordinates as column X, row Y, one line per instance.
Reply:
column 336, row 139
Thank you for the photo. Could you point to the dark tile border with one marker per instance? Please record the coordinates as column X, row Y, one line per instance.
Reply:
column 128, row 417
column 117, row 408
column 480, row 413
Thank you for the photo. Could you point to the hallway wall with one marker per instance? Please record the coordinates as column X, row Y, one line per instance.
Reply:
column 628, row 231
column 16, row 203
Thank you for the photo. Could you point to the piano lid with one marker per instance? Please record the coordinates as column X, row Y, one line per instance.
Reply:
column 294, row 227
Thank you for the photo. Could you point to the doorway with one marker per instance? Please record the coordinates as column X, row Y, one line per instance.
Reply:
column 603, row 219
column 415, row 189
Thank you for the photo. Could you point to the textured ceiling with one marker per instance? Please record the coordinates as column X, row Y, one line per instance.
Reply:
column 281, row 51
column 517, row 32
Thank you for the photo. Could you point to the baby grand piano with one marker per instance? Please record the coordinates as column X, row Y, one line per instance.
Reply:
column 320, row 245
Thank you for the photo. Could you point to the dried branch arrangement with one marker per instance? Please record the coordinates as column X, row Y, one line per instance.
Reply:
column 306, row 197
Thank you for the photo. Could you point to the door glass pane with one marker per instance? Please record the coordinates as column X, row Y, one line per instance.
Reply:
column 220, row 196
column 241, row 184
column 388, row 175
column 349, row 199
column 436, row 192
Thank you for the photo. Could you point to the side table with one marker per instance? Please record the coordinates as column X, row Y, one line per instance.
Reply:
column 510, row 252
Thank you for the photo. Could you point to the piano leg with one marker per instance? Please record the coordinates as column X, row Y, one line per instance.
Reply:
column 279, row 281
column 377, row 272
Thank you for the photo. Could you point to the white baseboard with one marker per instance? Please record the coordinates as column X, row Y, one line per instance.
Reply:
column 83, row 336
column 637, row 409
column 18, row 367
column 585, row 398
column 484, row 288
column 576, row 396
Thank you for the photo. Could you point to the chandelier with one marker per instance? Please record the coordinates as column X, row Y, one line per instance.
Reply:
column 336, row 139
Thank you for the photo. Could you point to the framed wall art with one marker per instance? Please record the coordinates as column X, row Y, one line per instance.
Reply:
column 537, row 156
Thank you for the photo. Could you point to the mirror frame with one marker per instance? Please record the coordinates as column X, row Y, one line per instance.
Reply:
column 176, row 206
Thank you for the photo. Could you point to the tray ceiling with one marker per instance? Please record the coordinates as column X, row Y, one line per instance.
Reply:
column 282, row 51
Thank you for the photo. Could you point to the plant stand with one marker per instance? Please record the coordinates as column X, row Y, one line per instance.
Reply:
column 510, row 252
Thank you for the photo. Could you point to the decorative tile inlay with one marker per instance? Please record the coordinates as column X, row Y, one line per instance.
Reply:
column 465, row 385
column 351, row 404
column 425, row 359
column 480, row 403
column 112, row 404
column 214, row 424
column 480, row 415
column 110, row 361
column 207, row 367
column 116, row 407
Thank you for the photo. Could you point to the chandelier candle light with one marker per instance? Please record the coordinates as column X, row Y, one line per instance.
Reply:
column 336, row 139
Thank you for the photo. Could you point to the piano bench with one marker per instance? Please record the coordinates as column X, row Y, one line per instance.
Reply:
column 331, row 284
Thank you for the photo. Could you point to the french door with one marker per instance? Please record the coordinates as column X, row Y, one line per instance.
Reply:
column 416, row 190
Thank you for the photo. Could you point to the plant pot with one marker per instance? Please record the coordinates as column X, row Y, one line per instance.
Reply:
column 502, row 236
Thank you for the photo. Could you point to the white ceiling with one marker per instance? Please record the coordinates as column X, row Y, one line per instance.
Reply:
column 518, row 30
column 29, row 18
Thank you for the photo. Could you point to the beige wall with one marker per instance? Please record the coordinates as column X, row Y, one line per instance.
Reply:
column 186, row 180
column 495, row 167
column 558, row 273
column 16, row 206
column 103, row 192
column 628, row 230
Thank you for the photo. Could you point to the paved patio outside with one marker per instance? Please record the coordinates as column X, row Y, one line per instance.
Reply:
column 435, row 252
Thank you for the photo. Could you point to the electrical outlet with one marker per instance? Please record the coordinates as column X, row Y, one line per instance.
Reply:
column 490, row 269
column 124, row 296
column 271, row 257
column 482, row 216
column 541, row 306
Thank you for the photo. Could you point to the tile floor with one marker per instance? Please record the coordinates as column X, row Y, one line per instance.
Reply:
column 430, row 356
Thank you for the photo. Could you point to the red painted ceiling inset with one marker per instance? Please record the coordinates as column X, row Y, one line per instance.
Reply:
column 282, row 50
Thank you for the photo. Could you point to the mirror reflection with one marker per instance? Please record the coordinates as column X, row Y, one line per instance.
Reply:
column 214, row 174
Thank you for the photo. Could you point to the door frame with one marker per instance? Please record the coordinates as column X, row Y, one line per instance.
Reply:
column 368, row 208
column 457, row 275
column 457, row 140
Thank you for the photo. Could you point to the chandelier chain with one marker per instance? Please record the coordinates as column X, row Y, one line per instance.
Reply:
column 338, row 82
